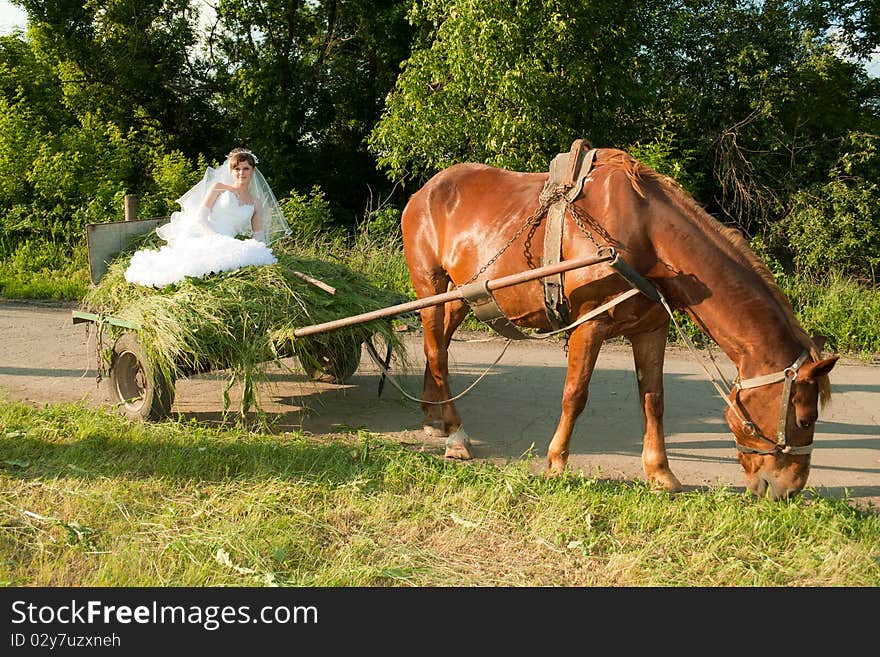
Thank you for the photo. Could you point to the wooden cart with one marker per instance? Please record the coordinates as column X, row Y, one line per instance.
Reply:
column 142, row 391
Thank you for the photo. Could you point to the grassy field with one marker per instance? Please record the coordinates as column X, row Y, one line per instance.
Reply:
column 89, row 499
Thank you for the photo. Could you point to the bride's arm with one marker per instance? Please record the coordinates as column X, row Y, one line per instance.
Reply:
column 213, row 193
column 257, row 229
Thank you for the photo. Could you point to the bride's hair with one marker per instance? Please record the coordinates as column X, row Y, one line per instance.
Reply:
column 236, row 155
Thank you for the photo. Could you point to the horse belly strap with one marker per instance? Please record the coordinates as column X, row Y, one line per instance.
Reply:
column 481, row 300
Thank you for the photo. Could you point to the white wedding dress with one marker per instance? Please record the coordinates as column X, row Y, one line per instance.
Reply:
column 197, row 247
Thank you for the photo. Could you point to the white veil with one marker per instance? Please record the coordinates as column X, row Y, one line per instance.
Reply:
column 187, row 220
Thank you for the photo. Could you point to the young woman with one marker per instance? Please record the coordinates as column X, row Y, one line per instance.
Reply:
column 230, row 202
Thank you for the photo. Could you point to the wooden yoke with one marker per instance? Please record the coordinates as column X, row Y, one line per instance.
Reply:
column 568, row 171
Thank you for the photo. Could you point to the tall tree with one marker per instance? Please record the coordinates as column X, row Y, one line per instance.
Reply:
column 131, row 63
column 513, row 83
column 757, row 96
column 306, row 81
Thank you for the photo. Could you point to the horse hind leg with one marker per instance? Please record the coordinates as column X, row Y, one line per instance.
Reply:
column 648, row 355
column 442, row 420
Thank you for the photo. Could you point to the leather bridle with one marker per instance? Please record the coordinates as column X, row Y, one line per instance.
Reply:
column 780, row 445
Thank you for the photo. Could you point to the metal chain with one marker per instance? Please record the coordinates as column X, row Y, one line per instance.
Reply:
column 574, row 211
column 99, row 350
column 535, row 219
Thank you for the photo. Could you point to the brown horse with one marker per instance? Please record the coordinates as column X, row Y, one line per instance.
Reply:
column 468, row 214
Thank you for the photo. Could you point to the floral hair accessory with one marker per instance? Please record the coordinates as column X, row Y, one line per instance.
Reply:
column 244, row 151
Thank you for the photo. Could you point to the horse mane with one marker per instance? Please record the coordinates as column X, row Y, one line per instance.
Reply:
column 637, row 172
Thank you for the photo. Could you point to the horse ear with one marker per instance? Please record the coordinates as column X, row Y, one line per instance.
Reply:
column 819, row 341
column 815, row 370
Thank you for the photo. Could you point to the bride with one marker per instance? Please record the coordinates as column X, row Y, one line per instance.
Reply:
column 202, row 238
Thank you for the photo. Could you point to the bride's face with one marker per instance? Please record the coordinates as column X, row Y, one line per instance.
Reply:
column 242, row 173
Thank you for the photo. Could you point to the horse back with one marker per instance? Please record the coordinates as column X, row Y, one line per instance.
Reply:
column 466, row 213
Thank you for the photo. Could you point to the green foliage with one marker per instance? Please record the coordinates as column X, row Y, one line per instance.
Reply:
column 63, row 284
column 377, row 250
column 34, row 256
column 661, row 155
column 512, row 84
column 835, row 226
column 20, row 137
column 384, row 224
column 132, row 65
column 306, row 91
column 170, row 174
column 308, row 214
column 42, row 269
column 844, row 311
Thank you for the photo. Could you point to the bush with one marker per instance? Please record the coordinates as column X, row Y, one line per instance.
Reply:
column 309, row 214
column 835, row 226
column 847, row 313
column 40, row 269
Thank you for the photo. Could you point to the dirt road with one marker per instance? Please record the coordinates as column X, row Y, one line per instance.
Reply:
column 512, row 412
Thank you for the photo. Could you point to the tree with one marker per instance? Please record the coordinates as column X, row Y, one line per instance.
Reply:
column 131, row 63
column 760, row 93
column 753, row 101
column 511, row 84
column 30, row 106
column 305, row 84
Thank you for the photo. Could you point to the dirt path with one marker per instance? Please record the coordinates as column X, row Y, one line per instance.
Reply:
column 45, row 358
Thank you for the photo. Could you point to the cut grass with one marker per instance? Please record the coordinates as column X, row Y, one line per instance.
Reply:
column 241, row 320
column 90, row 499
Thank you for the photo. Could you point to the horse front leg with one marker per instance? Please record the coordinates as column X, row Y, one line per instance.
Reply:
column 583, row 350
column 442, row 419
column 649, row 351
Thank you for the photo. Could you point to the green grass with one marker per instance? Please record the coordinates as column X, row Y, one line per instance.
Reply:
column 68, row 283
column 843, row 310
column 89, row 499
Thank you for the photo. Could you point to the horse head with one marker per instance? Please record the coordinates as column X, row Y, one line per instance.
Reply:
column 775, row 453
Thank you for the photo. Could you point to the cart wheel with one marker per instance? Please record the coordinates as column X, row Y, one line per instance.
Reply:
column 322, row 364
column 140, row 396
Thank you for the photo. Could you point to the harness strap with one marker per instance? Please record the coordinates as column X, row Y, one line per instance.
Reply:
column 783, row 412
column 774, row 377
column 555, row 303
column 568, row 172
column 383, row 367
column 635, row 278
column 481, row 300
column 483, row 303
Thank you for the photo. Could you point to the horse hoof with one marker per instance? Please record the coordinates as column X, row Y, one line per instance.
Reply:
column 458, row 446
column 556, row 466
column 666, row 481
column 435, row 429
column 459, row 452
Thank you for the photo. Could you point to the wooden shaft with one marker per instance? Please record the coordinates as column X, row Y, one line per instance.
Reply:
column 329, row 289
column 452, row 295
